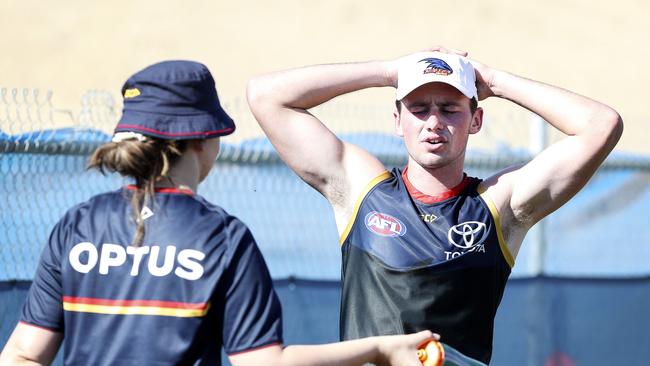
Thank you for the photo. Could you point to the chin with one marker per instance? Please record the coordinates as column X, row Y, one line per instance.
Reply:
column 431, row 163
column 432, row 160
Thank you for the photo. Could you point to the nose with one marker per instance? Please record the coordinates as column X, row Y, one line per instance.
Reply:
column 433, row 122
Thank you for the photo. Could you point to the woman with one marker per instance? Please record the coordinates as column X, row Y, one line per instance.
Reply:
column 153, row 274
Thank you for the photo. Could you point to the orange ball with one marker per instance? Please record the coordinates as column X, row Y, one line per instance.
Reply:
column 432, row 354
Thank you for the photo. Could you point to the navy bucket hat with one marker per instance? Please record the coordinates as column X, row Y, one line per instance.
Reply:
column 173, row 100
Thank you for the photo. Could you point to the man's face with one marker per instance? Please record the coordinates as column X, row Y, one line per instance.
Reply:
column 435, row 121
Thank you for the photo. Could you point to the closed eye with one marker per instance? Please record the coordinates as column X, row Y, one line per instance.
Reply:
column 418, row 108
column 450, row 108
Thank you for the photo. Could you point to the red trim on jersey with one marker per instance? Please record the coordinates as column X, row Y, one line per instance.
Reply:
column 38, row 326
column 206, row 133
column 428, row 199
column 157, row 303
column 174, row 190
column 131, row 187
column 255, row 349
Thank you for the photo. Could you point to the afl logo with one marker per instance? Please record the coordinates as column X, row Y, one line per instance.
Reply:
column 467, row 234
column 384, row 225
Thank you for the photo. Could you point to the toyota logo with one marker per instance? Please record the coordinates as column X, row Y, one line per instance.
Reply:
column 467, row 234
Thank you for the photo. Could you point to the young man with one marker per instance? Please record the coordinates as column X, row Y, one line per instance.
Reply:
column 427, row 247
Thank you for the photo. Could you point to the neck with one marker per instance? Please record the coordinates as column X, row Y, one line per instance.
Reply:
column 434, row 181
column 184, row 174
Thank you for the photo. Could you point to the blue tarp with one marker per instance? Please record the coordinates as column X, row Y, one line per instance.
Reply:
column 69, row 135
column 541, row 321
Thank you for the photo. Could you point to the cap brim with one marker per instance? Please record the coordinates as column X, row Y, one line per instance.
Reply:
column 177, row 127
column 402, row 93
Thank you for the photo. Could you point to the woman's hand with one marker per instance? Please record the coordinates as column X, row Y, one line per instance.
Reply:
column 401, row 350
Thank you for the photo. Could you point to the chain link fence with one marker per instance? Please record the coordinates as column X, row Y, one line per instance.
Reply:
column 586, row 261
column 44, row 150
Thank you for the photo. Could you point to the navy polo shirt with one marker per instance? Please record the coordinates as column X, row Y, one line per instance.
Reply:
column 196, row 284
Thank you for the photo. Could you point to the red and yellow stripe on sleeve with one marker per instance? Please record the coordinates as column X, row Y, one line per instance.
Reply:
column 135, row 307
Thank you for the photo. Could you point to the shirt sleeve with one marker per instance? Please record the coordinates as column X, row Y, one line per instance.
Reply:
column 252, row 313
column 43, row 306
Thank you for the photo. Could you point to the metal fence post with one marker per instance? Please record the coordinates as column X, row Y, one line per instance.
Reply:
column 538, row 140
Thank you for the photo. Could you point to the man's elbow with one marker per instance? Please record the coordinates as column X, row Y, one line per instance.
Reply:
column 261, row 99
column 613, row 127
column 254, row 94
column 604, row 128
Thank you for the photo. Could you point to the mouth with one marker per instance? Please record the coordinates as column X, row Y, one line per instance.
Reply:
column 435, row 140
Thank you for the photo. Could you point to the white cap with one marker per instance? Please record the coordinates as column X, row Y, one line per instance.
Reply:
column 426, row 67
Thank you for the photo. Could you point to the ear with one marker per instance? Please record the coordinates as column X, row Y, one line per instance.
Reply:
column 398, row 123
column 477, row 121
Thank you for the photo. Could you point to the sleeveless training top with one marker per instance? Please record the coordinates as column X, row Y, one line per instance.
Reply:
column 410, row 265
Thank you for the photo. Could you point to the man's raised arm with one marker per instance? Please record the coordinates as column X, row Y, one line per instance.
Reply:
column 280, row 102
column 527, row 194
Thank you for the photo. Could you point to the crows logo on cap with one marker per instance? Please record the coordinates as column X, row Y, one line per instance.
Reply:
column 436, row 66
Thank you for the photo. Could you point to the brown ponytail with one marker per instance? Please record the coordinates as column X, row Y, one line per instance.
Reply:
column 145, row 161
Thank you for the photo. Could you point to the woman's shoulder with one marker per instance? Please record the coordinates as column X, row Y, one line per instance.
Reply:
column 100, row 201
column 215, row 213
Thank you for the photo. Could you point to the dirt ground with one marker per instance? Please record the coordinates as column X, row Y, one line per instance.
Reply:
column 595, row 48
